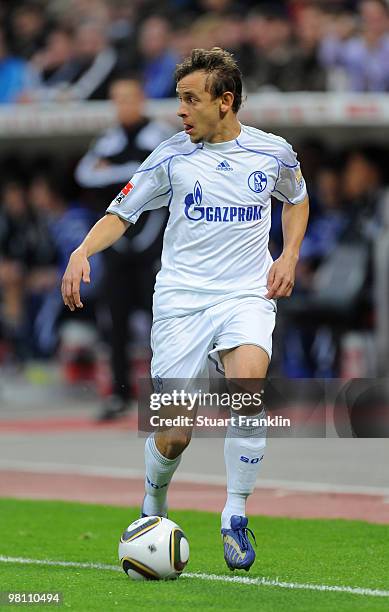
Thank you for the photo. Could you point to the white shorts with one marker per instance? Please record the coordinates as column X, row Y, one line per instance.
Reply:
column 182, row 345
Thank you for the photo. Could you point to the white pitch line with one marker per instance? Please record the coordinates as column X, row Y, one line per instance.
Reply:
column 212, row 577
column 44, row 467
column 100, row 566
column 291, row 585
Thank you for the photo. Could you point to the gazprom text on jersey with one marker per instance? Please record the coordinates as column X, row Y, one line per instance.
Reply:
column 224, row 213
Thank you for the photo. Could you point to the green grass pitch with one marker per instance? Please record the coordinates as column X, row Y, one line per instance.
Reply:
column 321, row 552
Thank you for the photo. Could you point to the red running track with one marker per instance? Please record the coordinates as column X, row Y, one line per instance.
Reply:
column 129, row 492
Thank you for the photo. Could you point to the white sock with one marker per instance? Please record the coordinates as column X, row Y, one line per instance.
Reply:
column 244, row 448
column 159, row 472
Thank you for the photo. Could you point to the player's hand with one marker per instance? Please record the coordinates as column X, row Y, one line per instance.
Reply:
column 280, row 280
column 77, row 269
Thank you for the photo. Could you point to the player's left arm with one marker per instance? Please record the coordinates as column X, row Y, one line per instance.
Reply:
column 281, row 275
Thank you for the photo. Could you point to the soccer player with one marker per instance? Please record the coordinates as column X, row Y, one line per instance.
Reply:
column 216, row 291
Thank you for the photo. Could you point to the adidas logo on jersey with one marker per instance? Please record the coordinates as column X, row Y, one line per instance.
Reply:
column 224, row 165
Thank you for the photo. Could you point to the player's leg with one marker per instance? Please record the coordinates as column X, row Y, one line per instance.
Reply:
column 163, row 451
column 180, row 349
column 244, row 348
column 244, row 444
column 243, row 453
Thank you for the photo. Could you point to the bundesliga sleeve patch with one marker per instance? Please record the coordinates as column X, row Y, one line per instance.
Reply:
column 299, row 178
column 124, row 192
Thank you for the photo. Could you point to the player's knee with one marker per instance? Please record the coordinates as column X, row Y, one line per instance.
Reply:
column 251, row 370
column 176, row 442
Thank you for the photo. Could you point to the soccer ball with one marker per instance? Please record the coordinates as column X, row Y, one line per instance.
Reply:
column 153, row 548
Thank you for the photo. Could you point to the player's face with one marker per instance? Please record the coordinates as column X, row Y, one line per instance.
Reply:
column 128, row 98
column 200, row 113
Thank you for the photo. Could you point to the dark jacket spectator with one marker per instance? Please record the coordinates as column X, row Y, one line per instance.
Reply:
column 273, row 59
column 88, row 73
column 28, row 28
column 54, row 61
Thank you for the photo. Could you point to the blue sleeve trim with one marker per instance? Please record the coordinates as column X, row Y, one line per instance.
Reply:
column 160, row 195
column 170, row 190
column 279, row 161
column 165, row 143
column 167, row 159
column 285, row 199
column 114, row 212
column 168, row 169
column 170, row 181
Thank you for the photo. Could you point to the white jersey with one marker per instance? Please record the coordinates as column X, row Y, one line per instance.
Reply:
column 219, row 195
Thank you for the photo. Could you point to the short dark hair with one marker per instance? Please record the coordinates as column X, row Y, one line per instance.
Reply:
column 222, row 70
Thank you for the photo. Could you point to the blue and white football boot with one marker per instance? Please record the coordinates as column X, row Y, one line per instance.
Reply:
column 238, row 550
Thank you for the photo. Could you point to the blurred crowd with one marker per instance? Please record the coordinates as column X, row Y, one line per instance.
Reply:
column 45, row 211
column 126, row 52
column 73, row 49
column 331, row 315
column 39, row 228
column 47, row 205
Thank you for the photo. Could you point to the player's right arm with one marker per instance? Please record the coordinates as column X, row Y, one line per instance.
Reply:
column 102, row 235
column 148, row 189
